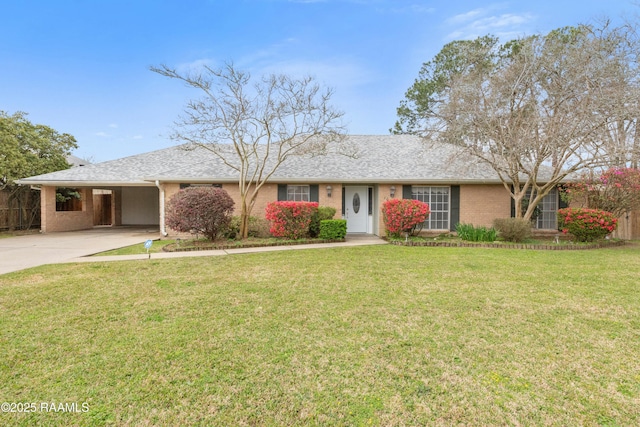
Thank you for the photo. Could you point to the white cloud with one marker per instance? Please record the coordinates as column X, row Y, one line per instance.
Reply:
column 465, row 17
column 101, row 134
column 113, row 125
column 335, row 72
column 138, row 137
column 483, row 21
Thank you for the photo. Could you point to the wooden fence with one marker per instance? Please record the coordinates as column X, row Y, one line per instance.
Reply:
column 629, row 226
column 23, row 213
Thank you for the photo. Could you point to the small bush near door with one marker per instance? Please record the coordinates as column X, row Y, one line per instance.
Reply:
column 403, row 215
column 290, row 220
column 323, row 213
column 333, row 229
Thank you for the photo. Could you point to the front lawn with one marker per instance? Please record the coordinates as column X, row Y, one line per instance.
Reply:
column 372, row 335
column 139, row 248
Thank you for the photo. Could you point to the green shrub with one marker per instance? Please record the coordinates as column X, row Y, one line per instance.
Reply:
column 476, row 234
column 258, row 227
column 321, row 214
column 333, row 229
column 513, row 229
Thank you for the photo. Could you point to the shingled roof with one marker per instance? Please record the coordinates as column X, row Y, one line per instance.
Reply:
column 379, row 159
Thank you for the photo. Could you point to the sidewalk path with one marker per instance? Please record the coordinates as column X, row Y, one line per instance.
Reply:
column 350, row 241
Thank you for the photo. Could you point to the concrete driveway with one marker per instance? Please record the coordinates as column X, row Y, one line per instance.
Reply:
column 20, row 252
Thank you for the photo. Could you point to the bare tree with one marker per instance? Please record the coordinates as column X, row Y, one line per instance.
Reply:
column 622, row 136
column 535, row 109
column 255, row 128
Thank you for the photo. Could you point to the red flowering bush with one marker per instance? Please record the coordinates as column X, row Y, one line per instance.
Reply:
column 586, row 225
column 402, row 215
column 204, row 210
column 290, row 220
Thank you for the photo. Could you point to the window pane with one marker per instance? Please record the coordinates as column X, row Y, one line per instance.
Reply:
column 298, row 193
column 548, row 211
column 438, row 200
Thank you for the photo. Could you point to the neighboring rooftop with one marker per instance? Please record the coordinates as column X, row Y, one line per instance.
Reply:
column 75, row 161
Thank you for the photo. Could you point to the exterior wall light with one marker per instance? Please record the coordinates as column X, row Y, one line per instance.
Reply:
column 329, row 190
column 392, row 191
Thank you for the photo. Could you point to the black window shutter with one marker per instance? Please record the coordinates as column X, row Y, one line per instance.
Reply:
column 561, row 203
column 455, row 207
column 406, row 192
column 282, row 192
column 314, row 191
column 343, row 200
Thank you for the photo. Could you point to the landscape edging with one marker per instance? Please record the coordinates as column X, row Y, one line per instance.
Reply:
column 251, row 245
column 547, row 247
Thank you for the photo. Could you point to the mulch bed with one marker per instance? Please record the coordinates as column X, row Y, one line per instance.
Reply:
column 208, row 246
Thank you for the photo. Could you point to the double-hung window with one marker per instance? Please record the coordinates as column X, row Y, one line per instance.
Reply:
column 548, row 217
column 298, row 193
column 547, row 211
column 439, row 201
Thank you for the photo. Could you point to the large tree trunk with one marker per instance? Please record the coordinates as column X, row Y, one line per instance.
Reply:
column 245, row 214
column 244, row 218
column 517, row 200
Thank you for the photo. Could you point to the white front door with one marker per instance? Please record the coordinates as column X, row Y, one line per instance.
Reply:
column 356, row 209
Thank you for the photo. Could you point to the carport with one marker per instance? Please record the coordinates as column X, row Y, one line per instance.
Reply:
column 88, row 206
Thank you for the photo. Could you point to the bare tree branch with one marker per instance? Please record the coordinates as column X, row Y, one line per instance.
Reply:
column 253, row 128
column 536, row 109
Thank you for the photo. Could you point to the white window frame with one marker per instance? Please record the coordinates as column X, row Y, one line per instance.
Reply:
column 298, row 193
column 440, row 216
column 548, row 218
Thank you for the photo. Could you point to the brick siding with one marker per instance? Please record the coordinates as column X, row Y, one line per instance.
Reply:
column 481, row 204
column 52, row 220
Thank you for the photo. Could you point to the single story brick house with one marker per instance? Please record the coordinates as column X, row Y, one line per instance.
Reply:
column 133, row 190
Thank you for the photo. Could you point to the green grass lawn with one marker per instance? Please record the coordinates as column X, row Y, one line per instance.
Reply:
column 138, row 249
column 379, row 335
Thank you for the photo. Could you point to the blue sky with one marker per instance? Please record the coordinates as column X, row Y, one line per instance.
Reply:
column 82, row 66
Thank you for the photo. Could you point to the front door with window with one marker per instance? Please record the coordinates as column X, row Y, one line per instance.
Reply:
column 356, row 209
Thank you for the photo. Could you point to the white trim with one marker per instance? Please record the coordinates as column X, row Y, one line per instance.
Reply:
column 163, row 229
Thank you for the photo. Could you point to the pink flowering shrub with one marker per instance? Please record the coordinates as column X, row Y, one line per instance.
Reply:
column 204, row 210
column 586, row 225
column 290, row 220
column 617, row 190
column 402, row 215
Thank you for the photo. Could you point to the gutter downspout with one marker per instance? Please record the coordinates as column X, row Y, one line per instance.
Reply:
column 163, row 230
